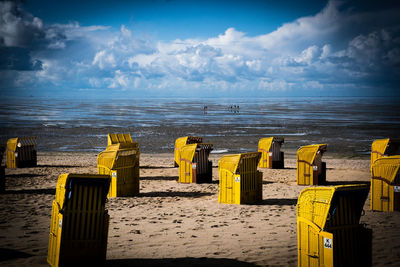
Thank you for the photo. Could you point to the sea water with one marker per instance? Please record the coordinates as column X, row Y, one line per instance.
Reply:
column 347, row 124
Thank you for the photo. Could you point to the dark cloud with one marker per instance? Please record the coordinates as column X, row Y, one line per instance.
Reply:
column 17, row 27
column 18, row 58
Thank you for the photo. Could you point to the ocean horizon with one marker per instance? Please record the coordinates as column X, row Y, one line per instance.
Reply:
column 347, row 124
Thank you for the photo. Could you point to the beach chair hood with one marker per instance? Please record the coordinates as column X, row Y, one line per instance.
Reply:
column 265, row 144
column 13, row 143
column 181, row 141
column 119, row 139
column 378, row 148
column 63, row 190
column 308, row 153
column 231, row 162
column 187, row 152
column 386, row 169
column 318, row 204
column 109, row 157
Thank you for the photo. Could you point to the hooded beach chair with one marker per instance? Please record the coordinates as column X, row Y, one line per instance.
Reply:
column 383, row 148
column 21, row 152
column 194, row 166
column 180, row 142
column 239, row 180
column 121, row 162
column 79, row 221
column 385, row 184
column 310, row 168
column 329, row 232
column 271, row 155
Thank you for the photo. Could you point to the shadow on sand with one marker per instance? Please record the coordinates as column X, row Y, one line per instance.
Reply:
column 24, row 175
column 9, row 254
column 60, row 166
column 40, row 191
column 159, row 178
column 346, row 182
column 279, row 201
column 157, row 167
column 196, row 194
column 178, row 262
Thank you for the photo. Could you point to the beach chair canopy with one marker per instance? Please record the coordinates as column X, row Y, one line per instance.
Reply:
column 188, row 151
column 118, row 156
column 308, row 153
column 66, row 182
column 332, row 206
column 266, row 143
column 232, row 162
column 386, row 169
column 119, row 139
column 181, row 141
column 13, row 143
column 378, row 148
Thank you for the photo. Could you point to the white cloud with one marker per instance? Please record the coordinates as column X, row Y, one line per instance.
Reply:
column 309, row 55
column 326, row 51
column 102, row 59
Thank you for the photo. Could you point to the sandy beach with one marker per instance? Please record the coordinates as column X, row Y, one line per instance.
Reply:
column 175, row 224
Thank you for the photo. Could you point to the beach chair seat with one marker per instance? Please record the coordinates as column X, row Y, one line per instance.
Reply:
column 311, row 170
column 271, row 155
column 121, row 162
column 328, row 229
column 194, row 166
column 180, row 142
column 385, row 184
column 79, row 221
column 239, row 180
column 21, row 152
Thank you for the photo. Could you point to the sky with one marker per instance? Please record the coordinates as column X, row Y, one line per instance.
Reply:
column 86, row 49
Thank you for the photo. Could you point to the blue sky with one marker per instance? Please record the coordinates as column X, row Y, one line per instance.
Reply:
column 199, row 48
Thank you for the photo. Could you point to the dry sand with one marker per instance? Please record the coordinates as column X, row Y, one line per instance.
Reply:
column 180, row 224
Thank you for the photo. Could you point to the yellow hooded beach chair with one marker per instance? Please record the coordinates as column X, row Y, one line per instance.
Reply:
column 310, row 168
column 194, row 166
column 180, row 142
column 385, row 184
column 329, row 232
column 21, row 152
column 79, row 221
column 239, row 180
column 271, row 155
column 121, row 162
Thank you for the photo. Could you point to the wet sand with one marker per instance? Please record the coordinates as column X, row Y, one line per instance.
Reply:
column 174, row 224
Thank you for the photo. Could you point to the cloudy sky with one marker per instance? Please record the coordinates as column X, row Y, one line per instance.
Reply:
column 199, row 48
